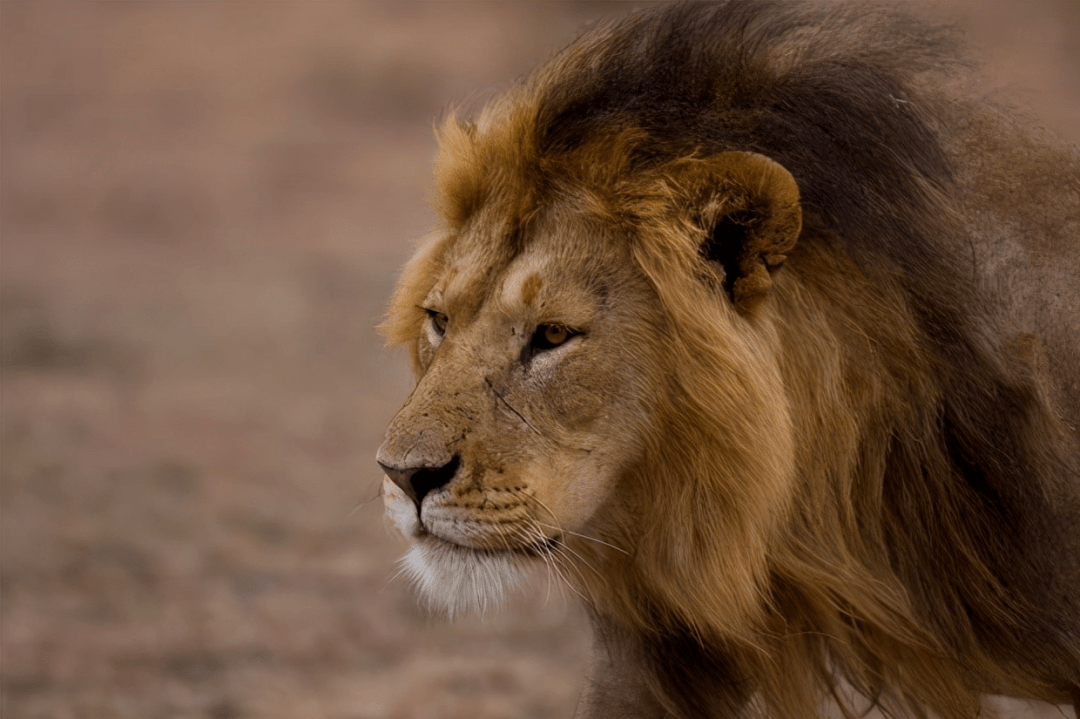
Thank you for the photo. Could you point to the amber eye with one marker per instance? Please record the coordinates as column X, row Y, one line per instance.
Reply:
column 550, row 336
column 438, row 321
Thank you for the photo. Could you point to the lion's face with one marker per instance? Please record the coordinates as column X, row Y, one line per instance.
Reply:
column 599, row 377
column 527, row 410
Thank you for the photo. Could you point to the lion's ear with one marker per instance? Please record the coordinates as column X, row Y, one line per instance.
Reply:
column 748, row 207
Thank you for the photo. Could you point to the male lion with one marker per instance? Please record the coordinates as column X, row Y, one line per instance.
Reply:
column 764, row 329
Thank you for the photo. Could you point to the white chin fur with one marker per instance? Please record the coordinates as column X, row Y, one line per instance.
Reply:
column 461, row 581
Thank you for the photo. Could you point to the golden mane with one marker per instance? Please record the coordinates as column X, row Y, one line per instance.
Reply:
column 928, row 550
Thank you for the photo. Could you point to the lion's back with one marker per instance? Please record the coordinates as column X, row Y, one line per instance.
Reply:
column 1023, row 217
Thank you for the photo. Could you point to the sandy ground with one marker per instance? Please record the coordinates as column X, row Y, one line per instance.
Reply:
column 203, row 209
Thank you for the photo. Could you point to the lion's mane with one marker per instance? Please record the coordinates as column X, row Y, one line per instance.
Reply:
column 925, row 329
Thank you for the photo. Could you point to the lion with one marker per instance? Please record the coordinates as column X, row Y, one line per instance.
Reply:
column 758, row 323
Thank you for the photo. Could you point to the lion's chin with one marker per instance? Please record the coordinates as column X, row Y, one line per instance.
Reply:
column 460, row 581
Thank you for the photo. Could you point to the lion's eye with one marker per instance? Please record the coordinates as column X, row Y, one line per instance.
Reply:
column 438, row 321
column 550, row 336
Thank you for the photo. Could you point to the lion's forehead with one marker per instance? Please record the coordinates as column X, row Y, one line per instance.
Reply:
column 520, row 285
column 539, row 283
column 466, row 277
column 471, row 279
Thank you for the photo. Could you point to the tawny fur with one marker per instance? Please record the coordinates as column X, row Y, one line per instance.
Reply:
column 849, row 458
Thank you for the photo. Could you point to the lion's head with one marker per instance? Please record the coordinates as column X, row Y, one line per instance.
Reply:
column 700, row 330
column 568, row 358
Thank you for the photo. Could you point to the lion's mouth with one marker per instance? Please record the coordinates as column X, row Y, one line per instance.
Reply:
column 539, row 548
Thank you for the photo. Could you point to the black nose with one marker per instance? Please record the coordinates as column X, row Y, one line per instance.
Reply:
column 418, row 481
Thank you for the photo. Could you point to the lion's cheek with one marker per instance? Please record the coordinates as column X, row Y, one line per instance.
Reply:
column 574, row 482
column 575, row 410
column 584, row 493
column 587, row 389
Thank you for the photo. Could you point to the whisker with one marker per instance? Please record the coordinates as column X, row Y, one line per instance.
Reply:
column 563, row 556
column 557, row 562
column 563, row 561
column 554, row 517
column 570, row 553
column 584, row 536
column 365, row 502
column 401, row 570
column 558, row 526
column 500, row 530
column 523, row 534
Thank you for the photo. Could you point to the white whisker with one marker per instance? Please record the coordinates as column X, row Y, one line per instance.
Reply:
column 584, row 536
column 559, row 528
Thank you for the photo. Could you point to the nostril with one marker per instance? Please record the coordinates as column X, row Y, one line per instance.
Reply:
column 418, row 482
column 427, row 479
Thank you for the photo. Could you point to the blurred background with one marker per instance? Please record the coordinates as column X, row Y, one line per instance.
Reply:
column 203, row 210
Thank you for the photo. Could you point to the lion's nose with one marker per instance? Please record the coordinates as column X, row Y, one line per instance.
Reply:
column 417, row 482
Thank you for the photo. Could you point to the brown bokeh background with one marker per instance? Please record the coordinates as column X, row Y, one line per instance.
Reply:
column 204, row 207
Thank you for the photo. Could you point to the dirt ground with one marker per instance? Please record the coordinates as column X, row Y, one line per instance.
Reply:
column 203, row 209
